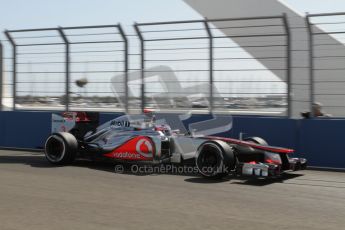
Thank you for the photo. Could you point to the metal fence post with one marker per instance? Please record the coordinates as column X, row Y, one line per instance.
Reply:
column 124, row 37
column 14, row 66
column 1, row 74
column 311, row 64
column 142, row 65
column 209, row 33
column 288, row 64
column 67, row 67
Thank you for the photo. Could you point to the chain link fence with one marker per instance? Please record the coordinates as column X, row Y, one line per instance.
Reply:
column 67, row 68
column 237, row 66
column 327, row 61
column 208, row 71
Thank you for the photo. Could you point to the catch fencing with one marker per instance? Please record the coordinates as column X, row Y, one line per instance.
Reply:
column 66, row 68
column 327, row 60
column 229, row 65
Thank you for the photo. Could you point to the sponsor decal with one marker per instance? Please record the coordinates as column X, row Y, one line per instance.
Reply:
column 138, row 148
column 144, row 147
column 126, row 155
column 58, row 120
column 60, row 123
column 120, row 123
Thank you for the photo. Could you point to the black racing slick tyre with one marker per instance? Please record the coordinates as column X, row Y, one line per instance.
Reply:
column 215, row 159
column 61, row 148
column 256, row 140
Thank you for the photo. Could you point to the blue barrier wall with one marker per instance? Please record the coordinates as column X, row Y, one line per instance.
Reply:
column 24, row 129
column 277, row 131
column 318, row 140
column 104, row 117
column 322, row 142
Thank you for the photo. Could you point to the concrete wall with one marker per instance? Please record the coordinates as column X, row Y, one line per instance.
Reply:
column 321, row 141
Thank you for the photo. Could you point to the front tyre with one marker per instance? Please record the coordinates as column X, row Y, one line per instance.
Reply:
column 215, row 159
column 61, row 148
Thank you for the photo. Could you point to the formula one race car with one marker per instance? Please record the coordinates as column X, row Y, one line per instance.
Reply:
column 140, row 139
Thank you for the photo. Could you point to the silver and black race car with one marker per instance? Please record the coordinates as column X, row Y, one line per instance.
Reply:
column 140, row 139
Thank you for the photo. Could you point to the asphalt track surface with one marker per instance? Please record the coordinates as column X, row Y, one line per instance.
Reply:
column 35, row 195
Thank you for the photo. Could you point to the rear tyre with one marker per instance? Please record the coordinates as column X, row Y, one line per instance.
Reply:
column 215, row 159
column 256, row 140
column 61, row 148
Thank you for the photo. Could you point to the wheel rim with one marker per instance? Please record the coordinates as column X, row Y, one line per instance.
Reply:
column 55, row 148
column 209, row 160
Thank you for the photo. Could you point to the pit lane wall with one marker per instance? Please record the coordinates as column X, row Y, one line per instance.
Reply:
column 321, row 141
